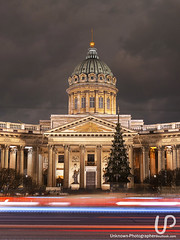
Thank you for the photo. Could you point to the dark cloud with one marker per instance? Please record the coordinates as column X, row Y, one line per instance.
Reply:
column 42, row 41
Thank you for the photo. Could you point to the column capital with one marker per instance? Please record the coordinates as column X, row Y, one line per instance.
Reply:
column 160, row 148
column 55, row 150
column 50, row 146
column 67, row 147
column 169, row 150
column 21, row 147
column 6, row 146
column 2, row 146
column 13, row 150
column 99, row 146
column 30, row 150
column 145, row 148
column 82, row 147
column 174, row 147
column 129, row 146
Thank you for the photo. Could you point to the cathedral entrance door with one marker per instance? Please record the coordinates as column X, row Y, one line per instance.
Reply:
column 90, row 180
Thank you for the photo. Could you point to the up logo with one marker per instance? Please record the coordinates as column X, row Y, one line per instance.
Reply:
column 165, row 223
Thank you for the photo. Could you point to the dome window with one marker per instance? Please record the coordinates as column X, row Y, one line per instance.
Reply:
column 75, row 103
column 92, row 102
column 75, row 79
column 101, row 102
column 108, row 103
column 92, row 77
column 83, row 102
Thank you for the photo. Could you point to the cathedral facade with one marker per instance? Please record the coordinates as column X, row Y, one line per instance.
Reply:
column 72, row 150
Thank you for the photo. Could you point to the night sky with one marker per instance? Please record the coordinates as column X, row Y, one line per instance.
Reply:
column 41, row 42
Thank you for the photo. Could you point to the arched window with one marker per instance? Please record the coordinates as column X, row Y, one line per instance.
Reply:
column 83, row 102
column 101, row 102
column 75, row 103
column 108, row 103
column 92, row 102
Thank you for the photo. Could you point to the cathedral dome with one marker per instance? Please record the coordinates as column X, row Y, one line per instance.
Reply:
column 92, row 86
column 92, row 69
column 92, row 64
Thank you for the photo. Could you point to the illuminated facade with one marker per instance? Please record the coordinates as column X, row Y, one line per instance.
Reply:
column 73, row 149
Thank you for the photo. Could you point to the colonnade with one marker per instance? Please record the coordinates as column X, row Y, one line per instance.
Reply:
column 14, row 157
column 82, row 150
column 154, row 159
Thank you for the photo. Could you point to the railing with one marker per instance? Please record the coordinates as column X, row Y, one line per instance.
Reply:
column 15, row 126
column 19, row 126
column 31, row 127
column 177, row 125
column 45, row 128
column 153, row 127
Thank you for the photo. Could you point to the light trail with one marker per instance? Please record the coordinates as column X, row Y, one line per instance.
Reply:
column 91, row 209
column 148, row 203
column 6, row 203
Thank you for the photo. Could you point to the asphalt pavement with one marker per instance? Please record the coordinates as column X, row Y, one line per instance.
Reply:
column 87, row 225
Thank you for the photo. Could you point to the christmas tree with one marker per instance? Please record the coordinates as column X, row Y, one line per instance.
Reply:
column 118, row 170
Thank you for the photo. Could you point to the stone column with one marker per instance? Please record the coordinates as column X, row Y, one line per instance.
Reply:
column 29, row 162
column 49, row 178
column 79, row 102
column 18, row 159
column 99, row 148
column 82, row 166
column 6, row 156
column 112, row 103
column 69, row 104
column 163, row 158
column 12, row 163
column 2, row 156
column 87, row 101
column 178, row 156
column 174, row 158
column 66, row 166
column 96, row 101
column 35, row 164
column 141, row 167
column 160, row 160
column 145, row 153
column 21, row 159
column 152, row 162
column 105, row 102
column 72, row 103
column 169, row 158
column 131, row 165
column 40, row 174
column 54, row 156
column 114, row 110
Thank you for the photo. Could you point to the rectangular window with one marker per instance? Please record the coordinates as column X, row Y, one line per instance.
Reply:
column 83, row 102
column 91, row 158
column 100, row 102
column 91, row 102
column 108, row 103
column 60, row 158
column 75, row 103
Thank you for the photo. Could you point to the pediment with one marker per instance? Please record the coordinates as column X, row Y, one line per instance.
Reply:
column 89, row 124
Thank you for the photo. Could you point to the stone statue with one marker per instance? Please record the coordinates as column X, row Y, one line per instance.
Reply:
column 75, row 176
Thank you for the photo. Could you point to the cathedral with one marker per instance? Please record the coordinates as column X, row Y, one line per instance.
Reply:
column 72, row 150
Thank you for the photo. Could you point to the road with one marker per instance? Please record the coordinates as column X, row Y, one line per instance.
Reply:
column 86, row 223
